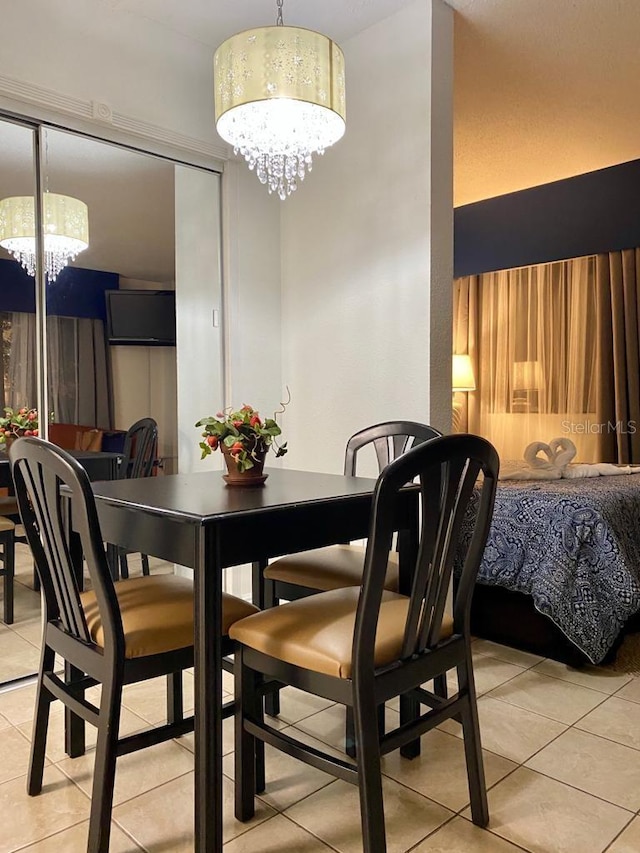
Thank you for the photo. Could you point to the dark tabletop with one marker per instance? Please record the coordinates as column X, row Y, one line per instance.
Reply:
column 205, row 496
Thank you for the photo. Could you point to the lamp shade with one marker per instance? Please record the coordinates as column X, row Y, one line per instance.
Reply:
column 66, row 230
column 462, row 378
column 279, row 98
column 527, row 375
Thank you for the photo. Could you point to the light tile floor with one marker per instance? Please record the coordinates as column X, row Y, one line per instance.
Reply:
column 562, row 760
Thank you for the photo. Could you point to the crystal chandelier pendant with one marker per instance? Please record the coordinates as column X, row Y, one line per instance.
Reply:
column 66, row 231
column 280, row 99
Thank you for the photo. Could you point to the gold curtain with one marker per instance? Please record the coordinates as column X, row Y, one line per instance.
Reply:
column 618, row 345
column 531, row 333
column 78, row 368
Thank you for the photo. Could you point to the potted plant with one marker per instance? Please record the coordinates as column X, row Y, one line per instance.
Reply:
column 244, row 439
column 16, row 423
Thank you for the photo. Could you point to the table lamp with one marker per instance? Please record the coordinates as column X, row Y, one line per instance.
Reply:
column 527, row 381
column 462, row 379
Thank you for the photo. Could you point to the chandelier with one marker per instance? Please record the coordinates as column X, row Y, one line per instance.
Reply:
column 279, row 99
column 66, row 231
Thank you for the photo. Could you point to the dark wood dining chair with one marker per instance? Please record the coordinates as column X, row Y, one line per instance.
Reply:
column 138, row 459
column 362, row 646
column 299, row 575
column 113, row 634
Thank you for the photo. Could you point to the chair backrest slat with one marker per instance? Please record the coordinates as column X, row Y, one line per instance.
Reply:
column 389, row 439
column 466, row 475
column 40, row 471
column 430, row 501
column 139, row 452
column 435, row 568
column 457, row 477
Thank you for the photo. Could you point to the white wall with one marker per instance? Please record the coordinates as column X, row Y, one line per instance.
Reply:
column 95, row 51
column 367, row 247
column 251, row 250
column 198, row 296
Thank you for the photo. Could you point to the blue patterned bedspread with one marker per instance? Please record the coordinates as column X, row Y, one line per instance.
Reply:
column 574, row 547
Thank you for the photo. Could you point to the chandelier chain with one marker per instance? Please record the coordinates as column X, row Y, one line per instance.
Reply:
column 279, row 20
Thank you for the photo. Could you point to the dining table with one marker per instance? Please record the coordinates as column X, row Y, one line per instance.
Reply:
column 197, row 521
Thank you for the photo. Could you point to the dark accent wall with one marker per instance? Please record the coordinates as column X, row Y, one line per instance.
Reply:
column 76, row 292
column 596, row 212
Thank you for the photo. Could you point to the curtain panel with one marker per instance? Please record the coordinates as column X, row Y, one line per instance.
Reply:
column 556, row 351
column 78, row 368
column 618, row 343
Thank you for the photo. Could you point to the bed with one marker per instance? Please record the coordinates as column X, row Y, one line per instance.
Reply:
column 560, row 574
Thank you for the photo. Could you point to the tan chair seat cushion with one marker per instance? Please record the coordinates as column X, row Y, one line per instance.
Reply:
column 6, row 524
column 328, row 568
column 157, row 614
column 316, row 633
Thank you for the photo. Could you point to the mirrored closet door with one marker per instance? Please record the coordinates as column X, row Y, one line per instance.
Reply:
column 19, row 640
column 115, row 220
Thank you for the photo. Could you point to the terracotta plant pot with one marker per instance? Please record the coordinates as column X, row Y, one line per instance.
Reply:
column 252, row 477
column 10, row 437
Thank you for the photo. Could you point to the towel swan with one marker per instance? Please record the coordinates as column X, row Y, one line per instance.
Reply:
column 540, row 467
column 563, row 450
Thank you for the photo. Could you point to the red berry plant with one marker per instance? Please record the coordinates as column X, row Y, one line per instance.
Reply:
column 247, row 436
column 18, row 422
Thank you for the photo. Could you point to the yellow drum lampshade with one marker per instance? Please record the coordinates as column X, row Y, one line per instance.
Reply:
column 66, row 230
column 279, row 99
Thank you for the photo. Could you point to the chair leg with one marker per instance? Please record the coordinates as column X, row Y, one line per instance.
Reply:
column 271, row 700
column 9, row 563
column 409, row 711
column 104, row 770
column 259, row 584
column 473, row 745
column 124, row 565
column 175, row 700
column 113, row 559
column 74, row 726
column 440, row 687
column 145, row 564
column 245, row 751
column 40, row 725
column 261, row 782
column 370, row 776
column 349, row 734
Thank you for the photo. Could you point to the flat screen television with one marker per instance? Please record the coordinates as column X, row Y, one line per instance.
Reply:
column 141, row 317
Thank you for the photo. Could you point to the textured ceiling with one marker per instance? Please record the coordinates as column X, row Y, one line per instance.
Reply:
column 544, row 89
